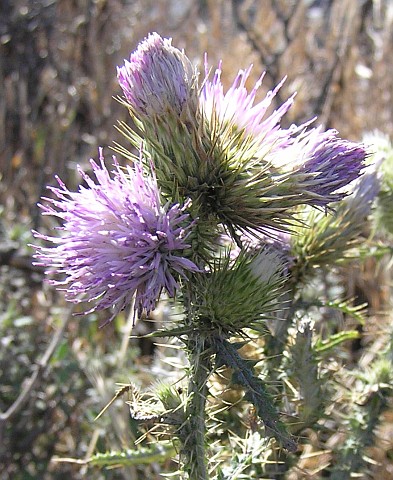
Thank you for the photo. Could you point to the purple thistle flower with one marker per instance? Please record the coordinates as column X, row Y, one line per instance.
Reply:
column 236, row 107
column 329, row 163
column 118, row 241
column 158, row 78
column 319, row 163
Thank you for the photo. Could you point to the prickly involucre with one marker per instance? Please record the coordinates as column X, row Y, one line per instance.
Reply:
column 329, row 238
column 240, row 293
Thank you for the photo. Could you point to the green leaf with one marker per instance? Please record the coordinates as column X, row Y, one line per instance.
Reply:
column 256, row 392
column 344, row 306
column 322, row 346
column 129, row 457
column 357, row 311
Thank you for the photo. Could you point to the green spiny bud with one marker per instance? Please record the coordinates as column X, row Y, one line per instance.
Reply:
column 239, row 294
column 328, row 238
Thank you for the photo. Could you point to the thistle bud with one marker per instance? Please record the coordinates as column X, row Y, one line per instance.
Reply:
column 240, row 294
column 328, row 238
column 157, row 80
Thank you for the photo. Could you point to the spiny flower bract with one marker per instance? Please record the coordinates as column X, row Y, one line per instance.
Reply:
column 240, row 293
column 118, row 240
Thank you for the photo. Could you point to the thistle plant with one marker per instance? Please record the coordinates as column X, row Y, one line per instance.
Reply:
column 226, row 212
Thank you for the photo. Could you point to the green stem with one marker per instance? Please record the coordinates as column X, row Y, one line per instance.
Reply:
column 193, row 430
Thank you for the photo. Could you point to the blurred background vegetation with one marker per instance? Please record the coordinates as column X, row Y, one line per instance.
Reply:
column 58, row 78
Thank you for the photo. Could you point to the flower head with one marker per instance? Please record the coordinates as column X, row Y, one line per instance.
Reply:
column 240, row 292
column 281, row 168
column 158, row 79
column 118, row 240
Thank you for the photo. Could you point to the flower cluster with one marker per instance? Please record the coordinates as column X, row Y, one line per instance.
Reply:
column 118, row 240
column 222, row 163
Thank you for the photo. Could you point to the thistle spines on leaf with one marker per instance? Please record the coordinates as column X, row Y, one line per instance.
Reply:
column 142, row 456
column 255, row 390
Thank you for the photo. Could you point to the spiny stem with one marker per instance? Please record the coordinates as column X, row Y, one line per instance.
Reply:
column 194, row 429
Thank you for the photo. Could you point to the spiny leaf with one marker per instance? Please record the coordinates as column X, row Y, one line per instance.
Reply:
column 322, row 346
column 256, row 393
column 142, row 456
column 368, row 405
column 356, row 311
column 303, row 367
